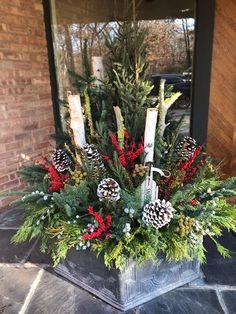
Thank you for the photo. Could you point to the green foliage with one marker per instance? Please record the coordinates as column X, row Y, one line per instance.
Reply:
column 85, row 60
column 132, row 200
column 72, row 199
column 114, row 227
column 222, row 250
column 127, row 46
column 126, row 67
column 141, row 246
column 132, row 96
column 62, row 138
column 119, row 173
column 32, row 173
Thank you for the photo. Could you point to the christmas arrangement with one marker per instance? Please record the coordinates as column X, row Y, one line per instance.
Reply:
column 123, row 182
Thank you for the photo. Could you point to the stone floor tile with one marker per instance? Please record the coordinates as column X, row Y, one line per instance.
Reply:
column 220, row 270
column 14, row 287
column 10, row 253
column 36, row 257
column 11, row 219
column 220, row 274
column 53, row 295
column 229, row 297
column 184, row 301
column 85, row 303
column 228, row 240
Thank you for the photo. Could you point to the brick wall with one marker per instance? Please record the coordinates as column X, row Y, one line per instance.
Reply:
column 26, row 120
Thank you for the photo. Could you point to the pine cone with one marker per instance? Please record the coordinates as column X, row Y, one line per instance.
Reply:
column 60, row 160
column 108, row 189
column 94, row 157
column 186, row 148
column 158, row 213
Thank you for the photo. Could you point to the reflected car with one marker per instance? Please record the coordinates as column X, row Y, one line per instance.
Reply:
column 180, row 82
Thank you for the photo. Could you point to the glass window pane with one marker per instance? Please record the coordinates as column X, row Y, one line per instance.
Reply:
column 170, row 41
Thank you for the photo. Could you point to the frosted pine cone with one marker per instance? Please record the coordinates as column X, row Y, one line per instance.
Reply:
column 108, row 189
column 186, row 148
column 60, row 160
column 158, row 213
column 93, row 156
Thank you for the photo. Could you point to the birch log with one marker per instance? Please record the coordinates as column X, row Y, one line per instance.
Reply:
column 77, row 120
column 98, row 69
column 149, row 134
column 120, row 125
column 164, row 107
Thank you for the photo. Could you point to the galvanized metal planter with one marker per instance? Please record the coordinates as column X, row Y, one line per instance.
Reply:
column 132, row 286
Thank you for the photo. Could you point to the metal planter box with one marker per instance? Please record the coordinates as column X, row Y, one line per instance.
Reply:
column 130, row 287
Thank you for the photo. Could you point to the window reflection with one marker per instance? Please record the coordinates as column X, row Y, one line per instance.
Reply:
column 170, row 41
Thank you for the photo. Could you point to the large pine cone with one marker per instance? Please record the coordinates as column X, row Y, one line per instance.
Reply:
column 93, row 156
column 60, row 160
column 186, row 148
column 108, row 190
column 158, row 213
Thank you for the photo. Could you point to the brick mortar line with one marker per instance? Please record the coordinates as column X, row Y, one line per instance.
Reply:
column 31, row 292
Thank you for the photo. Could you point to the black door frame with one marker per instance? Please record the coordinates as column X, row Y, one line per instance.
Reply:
column 204, row 29
column 51, row 65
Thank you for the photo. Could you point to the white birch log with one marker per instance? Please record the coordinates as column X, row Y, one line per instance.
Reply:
column 77, row 120
column 165, row 104
column 98, row 69
column 149, row 134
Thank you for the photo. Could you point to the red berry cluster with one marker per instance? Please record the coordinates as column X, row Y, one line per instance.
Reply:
column 57, row 180
column 102, row 229
column 183, row 173
column 194, row 202
column 191, row 166
column 129, row 154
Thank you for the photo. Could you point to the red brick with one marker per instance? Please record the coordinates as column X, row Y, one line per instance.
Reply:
column 9, row 184
column 3, row 179
column 25, row 101
column 14, row 145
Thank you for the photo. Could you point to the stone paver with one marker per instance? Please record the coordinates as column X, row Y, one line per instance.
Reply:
column 185, row 301
column 28, row 289
column 66, row 298
column 177, row 114
column 15, row 284
column 11, row 219
column 219, row 270
column 10, row 253
column 229, row 297
column 53, row 295
column 36, row 257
